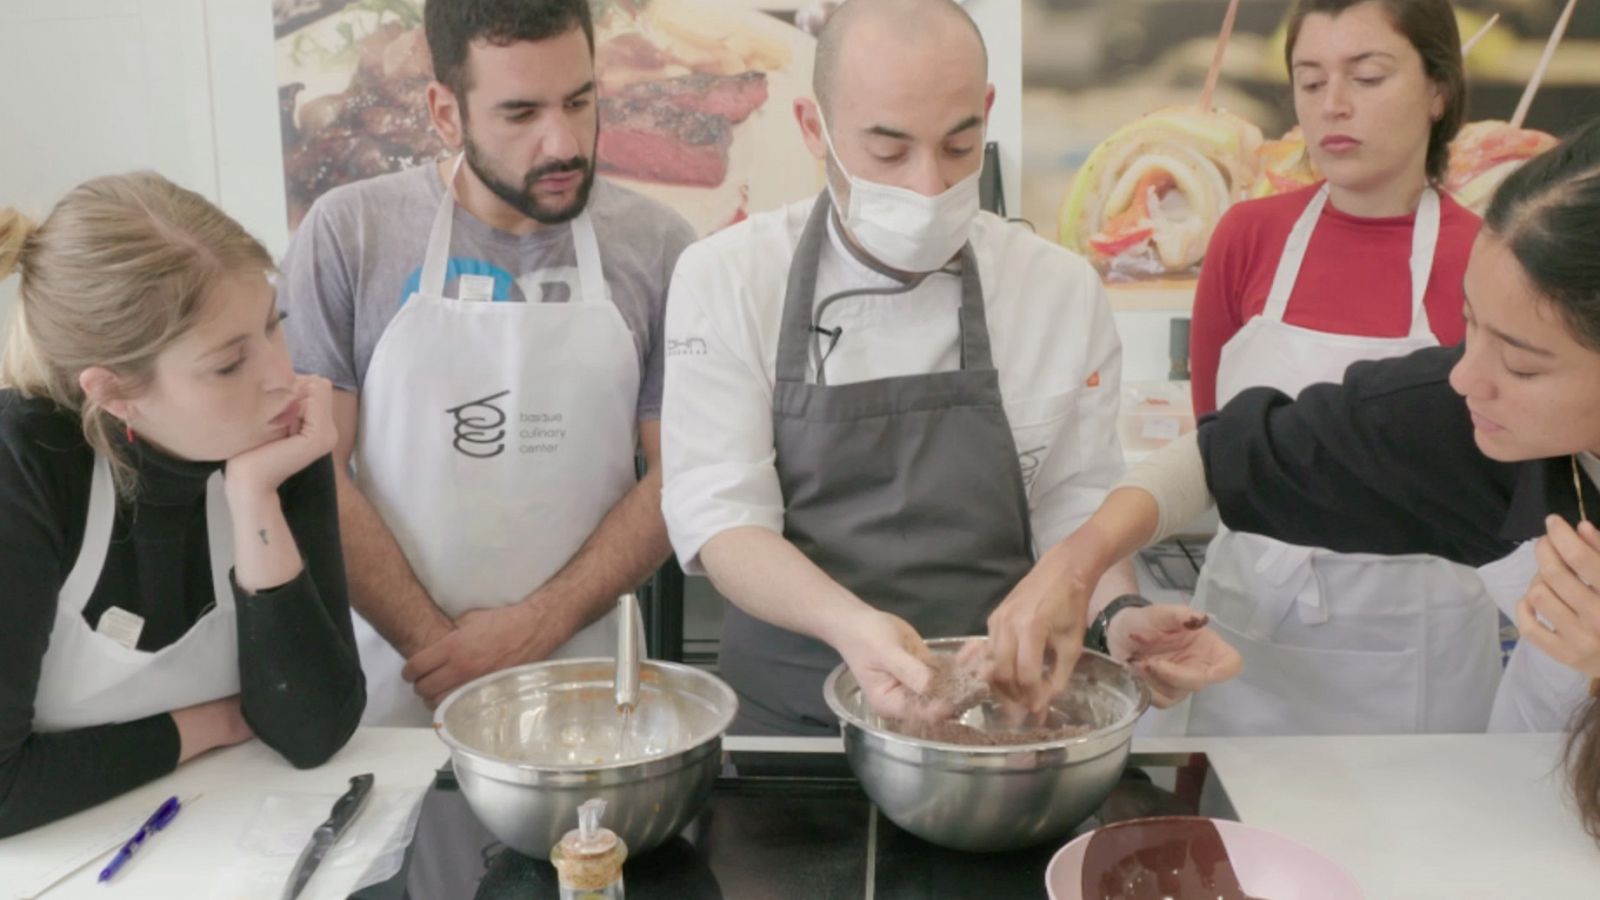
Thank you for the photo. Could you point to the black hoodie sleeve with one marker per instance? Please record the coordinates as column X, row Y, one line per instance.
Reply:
column 1384, row 462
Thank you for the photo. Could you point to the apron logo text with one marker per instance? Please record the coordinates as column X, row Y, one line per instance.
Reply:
column 687, row 347
column 541, row 432
column 1029, row 461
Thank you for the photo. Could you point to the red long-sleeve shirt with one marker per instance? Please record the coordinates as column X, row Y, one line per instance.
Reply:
column 1356, row 278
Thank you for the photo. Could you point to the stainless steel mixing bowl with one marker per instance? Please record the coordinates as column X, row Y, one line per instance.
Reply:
column 531, row 743
column 995, row 798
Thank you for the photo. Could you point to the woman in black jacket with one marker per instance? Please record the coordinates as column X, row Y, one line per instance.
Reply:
column 169, row 544
column 1464, row 453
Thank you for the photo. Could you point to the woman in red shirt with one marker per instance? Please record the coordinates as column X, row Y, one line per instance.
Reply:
column 1363, row 127
column 1296, row 287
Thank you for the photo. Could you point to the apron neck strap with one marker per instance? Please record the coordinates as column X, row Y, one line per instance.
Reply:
column 1424, row 241
column 85, row 574
column 975, row 349
column 1294, row 253
column 438, row 256
column 591, row 277
column 435, row 265
column 219, row 540
column 800, row 302
column 794, row 332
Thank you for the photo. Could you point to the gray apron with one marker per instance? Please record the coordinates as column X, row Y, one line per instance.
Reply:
column 906, row 490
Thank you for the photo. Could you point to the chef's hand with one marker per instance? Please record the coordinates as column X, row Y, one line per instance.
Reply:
column 1172, row 648
column 260, row 470
column 1035, row 636
column 483, row 641
column 1563, row 595
column 890, row 662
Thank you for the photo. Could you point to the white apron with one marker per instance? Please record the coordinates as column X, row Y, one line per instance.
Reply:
column 88, row 678
column 494, row 438
column 1338, row 643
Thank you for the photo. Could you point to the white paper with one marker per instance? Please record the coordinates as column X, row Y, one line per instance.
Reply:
column 369, row 852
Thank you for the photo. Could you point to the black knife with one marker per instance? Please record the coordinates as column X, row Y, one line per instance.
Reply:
column 345, row 810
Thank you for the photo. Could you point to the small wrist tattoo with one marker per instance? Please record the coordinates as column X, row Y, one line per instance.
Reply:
column 263, row 533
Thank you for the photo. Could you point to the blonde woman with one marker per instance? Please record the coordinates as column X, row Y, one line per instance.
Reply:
column 168, row 530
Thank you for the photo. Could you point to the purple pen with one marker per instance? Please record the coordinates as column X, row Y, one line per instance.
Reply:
column 158, row 820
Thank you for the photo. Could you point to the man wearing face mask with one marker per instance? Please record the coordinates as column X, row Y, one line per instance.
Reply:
column 881, row 404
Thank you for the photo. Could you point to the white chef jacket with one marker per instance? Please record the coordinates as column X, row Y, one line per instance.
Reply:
column 1050, row 326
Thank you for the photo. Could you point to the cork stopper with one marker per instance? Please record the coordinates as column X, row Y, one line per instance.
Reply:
column 590, row 856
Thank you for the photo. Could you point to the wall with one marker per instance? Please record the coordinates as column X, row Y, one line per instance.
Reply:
column 183, row 87
column 188, row 88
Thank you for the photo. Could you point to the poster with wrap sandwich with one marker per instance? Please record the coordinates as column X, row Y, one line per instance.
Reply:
column 694, row 98
column 1145, row 120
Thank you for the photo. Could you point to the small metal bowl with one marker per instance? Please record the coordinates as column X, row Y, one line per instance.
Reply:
column 1001, row 797
column 532, row 742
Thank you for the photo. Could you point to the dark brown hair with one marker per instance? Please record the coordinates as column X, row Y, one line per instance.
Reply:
column 1430, row 26
column 452, row 25
column 1547, row 213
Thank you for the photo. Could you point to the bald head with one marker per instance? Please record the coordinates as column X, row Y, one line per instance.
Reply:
column 855, row 34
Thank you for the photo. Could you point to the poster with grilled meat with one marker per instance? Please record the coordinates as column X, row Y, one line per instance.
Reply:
column 694, row 96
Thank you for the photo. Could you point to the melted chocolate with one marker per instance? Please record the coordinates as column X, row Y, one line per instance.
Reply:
column 1176, row 857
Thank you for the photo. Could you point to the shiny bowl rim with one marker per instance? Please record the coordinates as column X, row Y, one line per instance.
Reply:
column 482, row 759
column 894, row 740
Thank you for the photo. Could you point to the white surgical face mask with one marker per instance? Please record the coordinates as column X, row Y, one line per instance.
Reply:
column 901, row 228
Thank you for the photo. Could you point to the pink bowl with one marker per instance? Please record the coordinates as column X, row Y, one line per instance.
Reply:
column 1151, row 853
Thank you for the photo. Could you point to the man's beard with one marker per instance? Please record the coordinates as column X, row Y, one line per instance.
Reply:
column 522, row 199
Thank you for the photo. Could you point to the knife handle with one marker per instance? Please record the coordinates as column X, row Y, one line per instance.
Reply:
column 349, row 805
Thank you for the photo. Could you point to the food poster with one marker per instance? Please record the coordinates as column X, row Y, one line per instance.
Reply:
column 1111, row 93
column 695, row 100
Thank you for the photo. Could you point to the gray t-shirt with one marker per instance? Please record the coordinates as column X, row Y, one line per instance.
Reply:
column 358, row 255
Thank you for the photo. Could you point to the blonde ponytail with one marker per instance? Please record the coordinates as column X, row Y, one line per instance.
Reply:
column 15, row 229
column 18, row 363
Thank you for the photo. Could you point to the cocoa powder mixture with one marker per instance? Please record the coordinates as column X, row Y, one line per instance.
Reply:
column 961, row 684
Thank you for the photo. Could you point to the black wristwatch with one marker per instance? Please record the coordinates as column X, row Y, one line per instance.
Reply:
column 1096, row 637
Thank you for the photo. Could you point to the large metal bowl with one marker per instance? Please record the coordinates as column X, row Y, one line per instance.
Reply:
column 531, row 743
column 995, row 798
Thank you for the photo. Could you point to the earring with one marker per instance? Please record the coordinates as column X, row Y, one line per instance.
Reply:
column 128, row 430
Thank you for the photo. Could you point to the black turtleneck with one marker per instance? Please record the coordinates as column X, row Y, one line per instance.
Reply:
column 301, row 687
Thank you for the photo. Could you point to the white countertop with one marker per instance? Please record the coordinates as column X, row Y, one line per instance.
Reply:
column 1410, row 816
column 1428, row 816
column 1418, row 816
